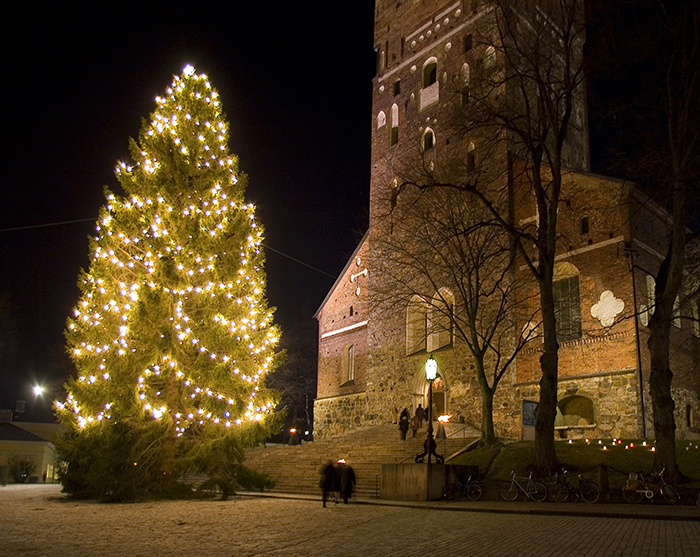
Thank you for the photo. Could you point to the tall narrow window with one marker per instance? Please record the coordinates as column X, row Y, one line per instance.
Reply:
column 468, row 43
column 397, row 87
column 464, row 74
column 677, row 312
column 394, row 134
column 584, row 225
column 430, row 86
column 415, row 325
column 489, row 57
column 428, row 139
column 471, row 161
column 381, row 120
column 429, row 73
column 440, row 320
column 567, row 301
column 351, row 363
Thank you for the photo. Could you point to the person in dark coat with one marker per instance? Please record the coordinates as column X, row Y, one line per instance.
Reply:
column 420, row 416
column 327, row 481
column 347, row 480
column 403, row 425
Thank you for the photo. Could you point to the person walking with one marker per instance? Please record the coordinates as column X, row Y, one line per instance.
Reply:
column 403, row 425
column 327, row 481
column 420, row 416
column 347, row 480
column 414, row 425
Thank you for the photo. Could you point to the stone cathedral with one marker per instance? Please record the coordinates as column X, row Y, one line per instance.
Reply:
column 371, row 360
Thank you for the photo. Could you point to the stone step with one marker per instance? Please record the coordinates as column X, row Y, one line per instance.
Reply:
column 295, row 468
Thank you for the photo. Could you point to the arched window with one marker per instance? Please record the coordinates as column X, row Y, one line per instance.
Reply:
column 440, row 319
column 429, row 72
column 677, row 312
column 576, row 410
column 471, row 160
column 430, row 86
column 349, row 363
column 415, row 325
column 464, row 75
column 646, row 310
column 381, row 119
column 394, row 133
column 428, row 139
column 489, row 56
column 567, row 301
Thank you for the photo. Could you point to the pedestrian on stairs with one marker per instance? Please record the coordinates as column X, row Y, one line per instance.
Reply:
column 327, row 481
column 414, row 425
column 403, row 424
column 420, row 415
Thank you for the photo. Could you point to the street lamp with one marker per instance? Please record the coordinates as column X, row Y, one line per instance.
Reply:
column 430, row 445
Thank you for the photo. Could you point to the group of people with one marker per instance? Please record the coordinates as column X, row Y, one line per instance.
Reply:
column 414, row 423
column 337, row 480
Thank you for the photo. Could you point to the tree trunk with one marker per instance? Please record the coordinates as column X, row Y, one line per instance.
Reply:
column 545, row 454
column 660, row 378
column 488, row 434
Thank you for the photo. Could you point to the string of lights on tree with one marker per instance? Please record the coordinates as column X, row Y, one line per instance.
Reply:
column 172, row 319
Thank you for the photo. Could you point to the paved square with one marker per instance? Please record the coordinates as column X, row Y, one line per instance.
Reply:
column 38, row 521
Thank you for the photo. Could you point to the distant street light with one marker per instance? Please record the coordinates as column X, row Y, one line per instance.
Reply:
column 38, row 390
column 430, row 445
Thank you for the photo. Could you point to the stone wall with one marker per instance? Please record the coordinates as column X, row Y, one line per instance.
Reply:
column 334, row 415
column 615, row 400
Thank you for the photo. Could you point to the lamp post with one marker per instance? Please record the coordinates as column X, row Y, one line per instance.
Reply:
column 430, row 445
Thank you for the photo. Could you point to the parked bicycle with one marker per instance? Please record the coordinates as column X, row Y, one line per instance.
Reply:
column 637, row 488
column 586, row 489
column 471, row 489
column 533, row 489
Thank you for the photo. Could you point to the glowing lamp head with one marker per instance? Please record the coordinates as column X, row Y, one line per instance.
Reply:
column 431, row 369
column 38, row 390
column 444, row 418
column 188, row 69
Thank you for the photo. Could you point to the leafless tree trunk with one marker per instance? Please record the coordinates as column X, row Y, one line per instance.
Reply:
column 523, row 99
column 449, row 256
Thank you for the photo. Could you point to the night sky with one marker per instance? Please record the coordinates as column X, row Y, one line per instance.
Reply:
column 295, row 83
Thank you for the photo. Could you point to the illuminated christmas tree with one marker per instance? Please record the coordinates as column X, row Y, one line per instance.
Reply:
column 172, row 337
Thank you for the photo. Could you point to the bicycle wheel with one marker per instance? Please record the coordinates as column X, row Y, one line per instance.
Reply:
column 450, row 492
column 632, row 496
column 509, row 492
column 560, row 493
column 474, row 492
column 671, row 494
column 537, row 492
column 589, row 491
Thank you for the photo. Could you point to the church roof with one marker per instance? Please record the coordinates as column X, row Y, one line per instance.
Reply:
column 9, row 432
column 342, row 273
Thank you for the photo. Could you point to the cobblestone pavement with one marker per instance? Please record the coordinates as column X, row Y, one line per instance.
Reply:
column 38, row 521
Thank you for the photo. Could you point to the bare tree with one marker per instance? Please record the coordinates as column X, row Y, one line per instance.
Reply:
column 448, row 256
column 653, row 65
column 524, row 107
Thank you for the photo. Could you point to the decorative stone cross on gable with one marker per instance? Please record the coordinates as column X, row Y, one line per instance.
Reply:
column 356, row 276
column 607, row 308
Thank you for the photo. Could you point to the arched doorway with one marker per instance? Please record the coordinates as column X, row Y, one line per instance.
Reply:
column 439, row 398
column 440, row 393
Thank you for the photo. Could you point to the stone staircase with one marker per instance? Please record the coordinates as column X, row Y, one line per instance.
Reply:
column 295, row 468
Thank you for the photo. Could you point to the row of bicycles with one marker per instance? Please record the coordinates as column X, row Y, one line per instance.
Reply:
column 561, row 489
